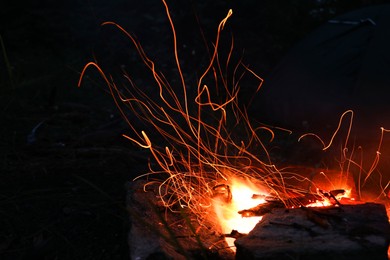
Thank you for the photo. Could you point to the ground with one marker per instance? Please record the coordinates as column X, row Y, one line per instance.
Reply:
column 64, row 163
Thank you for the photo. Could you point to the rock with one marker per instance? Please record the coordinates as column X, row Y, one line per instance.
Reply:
column 359, row 231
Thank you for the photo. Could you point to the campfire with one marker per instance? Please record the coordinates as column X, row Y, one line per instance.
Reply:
column 211, row 164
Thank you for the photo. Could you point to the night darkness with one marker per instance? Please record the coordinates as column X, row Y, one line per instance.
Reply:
column 63, row 161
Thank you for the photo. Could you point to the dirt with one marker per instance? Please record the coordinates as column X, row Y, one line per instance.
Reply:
column 63, row 160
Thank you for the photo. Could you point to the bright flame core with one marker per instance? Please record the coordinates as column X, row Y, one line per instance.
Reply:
column 242, row 192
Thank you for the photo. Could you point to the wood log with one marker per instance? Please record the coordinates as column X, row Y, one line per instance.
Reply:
column 343, row 232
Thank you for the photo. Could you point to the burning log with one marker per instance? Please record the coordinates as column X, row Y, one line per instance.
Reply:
column 359, row 231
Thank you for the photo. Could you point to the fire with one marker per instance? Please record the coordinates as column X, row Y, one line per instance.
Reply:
column 242, row 197
column 227, row 209
column 209, row 155
column 234, row 202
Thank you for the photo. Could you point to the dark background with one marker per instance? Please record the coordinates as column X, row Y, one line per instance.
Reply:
column 63, row 161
